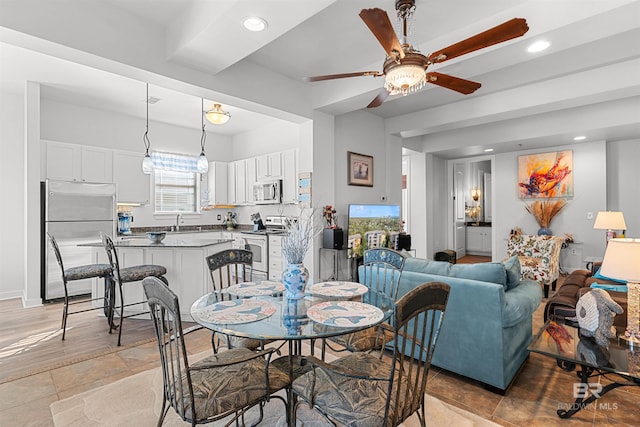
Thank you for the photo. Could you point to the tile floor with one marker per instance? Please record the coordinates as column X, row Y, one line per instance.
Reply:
column 532, row 400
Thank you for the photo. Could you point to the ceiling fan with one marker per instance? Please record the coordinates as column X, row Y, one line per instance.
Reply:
column 405, row 67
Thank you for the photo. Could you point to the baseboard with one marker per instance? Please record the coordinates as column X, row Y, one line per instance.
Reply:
column 10, row 295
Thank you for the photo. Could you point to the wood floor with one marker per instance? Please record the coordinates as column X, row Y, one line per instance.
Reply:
column 48, row 369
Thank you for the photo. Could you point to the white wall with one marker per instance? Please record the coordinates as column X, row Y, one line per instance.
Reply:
column 12, row 195
column 590, row 192
column 623, row 182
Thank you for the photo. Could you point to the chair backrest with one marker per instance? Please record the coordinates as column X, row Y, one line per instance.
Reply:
column 230, row 266
column 112, row 255
column 56, row 251
column 165, row 314
column 418, row 318
column 382, row 268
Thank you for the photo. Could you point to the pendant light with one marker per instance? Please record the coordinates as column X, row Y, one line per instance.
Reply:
column 147, row 163
column 203, row 163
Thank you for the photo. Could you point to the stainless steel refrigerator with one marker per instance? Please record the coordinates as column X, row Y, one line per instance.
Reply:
column 74, row 213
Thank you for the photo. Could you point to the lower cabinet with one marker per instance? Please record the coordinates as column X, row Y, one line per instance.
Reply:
column 276, row 260
column 187, row 273
column 478, row 240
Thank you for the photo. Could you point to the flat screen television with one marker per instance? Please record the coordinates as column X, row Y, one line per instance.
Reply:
column 371, row 225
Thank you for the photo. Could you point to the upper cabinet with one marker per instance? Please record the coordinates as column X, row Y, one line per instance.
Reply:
column 269, row 166
column 72, row 162
column 132, row 185
column 290, row 176
column 241, row 177
column 217, row 178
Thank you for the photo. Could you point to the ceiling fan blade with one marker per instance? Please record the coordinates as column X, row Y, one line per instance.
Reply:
column 380, row 25
column 378, row 100
column 454, row 83
column 503, row 32
column 342, row 76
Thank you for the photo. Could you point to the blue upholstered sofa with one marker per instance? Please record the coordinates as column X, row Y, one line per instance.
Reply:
column 488, row 320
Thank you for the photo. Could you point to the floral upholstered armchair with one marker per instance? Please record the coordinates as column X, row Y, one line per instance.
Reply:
column 539, row 258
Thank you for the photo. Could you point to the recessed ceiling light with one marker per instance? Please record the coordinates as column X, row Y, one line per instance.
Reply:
column 538, row 46
column 579, row 138
column 488, row 150
column 254, row 23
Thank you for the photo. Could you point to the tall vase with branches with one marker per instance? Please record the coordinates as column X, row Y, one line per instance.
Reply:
column 296, row 242
column 544, row 211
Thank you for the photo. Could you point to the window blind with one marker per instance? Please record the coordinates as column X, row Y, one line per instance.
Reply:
column 175, row 182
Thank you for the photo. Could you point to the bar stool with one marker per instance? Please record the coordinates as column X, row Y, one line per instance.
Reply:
column 79, row 273
column 127, row 275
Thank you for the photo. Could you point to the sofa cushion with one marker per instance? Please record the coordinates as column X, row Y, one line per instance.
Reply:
column 493, row 272
column 514, row 271
column 420, row 265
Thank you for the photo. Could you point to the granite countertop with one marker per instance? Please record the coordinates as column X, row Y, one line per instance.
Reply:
column 169, row 242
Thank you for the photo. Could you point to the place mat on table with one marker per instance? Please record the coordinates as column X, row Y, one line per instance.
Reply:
column 251, row 289
column 237, row 311
column 345, row 313
column 338, row 289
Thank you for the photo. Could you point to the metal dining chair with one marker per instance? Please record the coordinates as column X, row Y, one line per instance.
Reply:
column 380, row 272
column 79, row 273
column 127, row 275
column 224, row 384
column 363, row 389
column 226, row 268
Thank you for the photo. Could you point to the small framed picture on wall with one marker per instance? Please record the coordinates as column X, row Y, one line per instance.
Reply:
column 360, row 169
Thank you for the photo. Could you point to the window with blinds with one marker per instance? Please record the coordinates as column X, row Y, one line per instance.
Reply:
column 176, row 183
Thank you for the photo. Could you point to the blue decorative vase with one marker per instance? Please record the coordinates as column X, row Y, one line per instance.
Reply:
column 544, row 232
column 295, row 278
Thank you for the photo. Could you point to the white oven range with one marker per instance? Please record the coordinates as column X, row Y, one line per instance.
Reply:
column 258, row 243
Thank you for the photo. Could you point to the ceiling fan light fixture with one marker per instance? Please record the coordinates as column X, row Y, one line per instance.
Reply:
column 404, row 79
column 217, row 115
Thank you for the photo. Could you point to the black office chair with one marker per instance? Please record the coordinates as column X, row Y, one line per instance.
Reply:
column 223, row 384
column 127, row 275
column 362, row 389
column 79, row 273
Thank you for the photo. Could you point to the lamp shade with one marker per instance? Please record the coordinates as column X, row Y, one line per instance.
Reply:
column 622, row 260
column 607, row 220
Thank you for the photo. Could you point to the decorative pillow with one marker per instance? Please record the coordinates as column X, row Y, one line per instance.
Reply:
column 514, row 271
column 600, row 276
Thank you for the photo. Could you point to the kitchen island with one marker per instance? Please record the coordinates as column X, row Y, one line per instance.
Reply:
column 184, row 257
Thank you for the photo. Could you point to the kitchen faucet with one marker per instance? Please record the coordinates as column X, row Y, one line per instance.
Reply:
column 178, row 221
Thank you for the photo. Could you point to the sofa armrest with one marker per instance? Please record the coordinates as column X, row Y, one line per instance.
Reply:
column 521, row 302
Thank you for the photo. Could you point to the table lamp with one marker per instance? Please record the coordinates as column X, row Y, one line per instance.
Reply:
column 608, row 220
column 622, row 262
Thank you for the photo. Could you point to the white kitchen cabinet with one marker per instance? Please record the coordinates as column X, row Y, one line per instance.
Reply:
column 232, row 198
column 217, row 178
column 276, row 260
column 478, row 240
column 269, row 166
column 73, row 162
column 290, row 176
column 133, row 186
column 245, row 177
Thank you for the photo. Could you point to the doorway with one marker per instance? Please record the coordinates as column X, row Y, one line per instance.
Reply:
column 471, row 211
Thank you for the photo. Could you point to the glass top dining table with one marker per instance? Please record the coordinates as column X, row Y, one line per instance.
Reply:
column 274, row 317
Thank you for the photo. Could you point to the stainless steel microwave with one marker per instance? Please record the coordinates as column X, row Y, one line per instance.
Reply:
column 267, row 192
